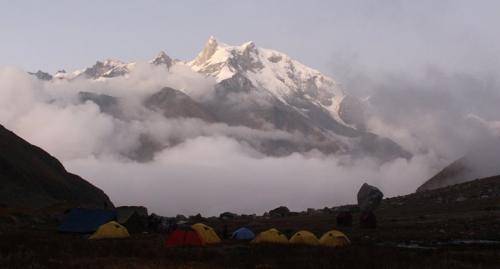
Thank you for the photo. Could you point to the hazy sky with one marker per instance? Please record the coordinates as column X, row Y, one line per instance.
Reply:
column 328, row 35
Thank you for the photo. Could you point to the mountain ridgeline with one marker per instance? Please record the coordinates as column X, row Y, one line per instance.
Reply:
column 255, row 88
column 32, row 178
column 483, row 161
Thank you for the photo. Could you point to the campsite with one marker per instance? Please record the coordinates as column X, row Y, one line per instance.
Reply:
column 411, row 232
column 195, row 134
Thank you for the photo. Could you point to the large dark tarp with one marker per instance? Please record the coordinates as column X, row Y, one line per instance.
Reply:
column 82, row 220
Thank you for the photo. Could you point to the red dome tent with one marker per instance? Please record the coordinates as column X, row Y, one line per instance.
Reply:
column 184, row 237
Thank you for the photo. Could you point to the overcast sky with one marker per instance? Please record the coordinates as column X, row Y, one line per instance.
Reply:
column 329, row 35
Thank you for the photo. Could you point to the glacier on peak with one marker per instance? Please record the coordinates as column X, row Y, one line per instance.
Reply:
column 270, row 70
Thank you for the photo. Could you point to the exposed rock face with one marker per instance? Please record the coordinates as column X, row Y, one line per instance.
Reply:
column 107, row 69
column 147, row 147
column 163, row 59
column 176, row 104
column 41, row 75
column 351, row 111
column 369, row 197
column 32, row 178
column 250, row 107
column 106, row 103
column 382, row 148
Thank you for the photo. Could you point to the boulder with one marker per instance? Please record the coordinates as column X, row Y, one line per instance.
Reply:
column 369, row 197
column 227, row 216
column 281, row 211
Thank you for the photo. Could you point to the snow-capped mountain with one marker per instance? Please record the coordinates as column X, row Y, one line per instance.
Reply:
column 100, row 70
column 256, row 88
column 108, row 69
column 271, row 70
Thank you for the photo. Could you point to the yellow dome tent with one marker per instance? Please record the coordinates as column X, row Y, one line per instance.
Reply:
column 305, row 238
column 271, row 236
column 334, row 238
column 207, row 233
column 111, row 229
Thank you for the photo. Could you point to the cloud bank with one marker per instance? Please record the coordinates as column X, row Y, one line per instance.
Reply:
column 213, row 170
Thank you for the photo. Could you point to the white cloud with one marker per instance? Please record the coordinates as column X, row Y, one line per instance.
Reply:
column 212, row 171
column 210, row 175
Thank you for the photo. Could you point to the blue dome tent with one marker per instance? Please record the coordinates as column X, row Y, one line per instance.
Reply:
column 243, row 234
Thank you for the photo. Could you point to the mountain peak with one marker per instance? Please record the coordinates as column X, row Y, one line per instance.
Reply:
column 111, row 62
column 208, row 51
column 268, row 69
column 212, row 41
column 162, row 58
column 250, row 45
column 223, row 61
column 41, row 75
column 107, row 69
